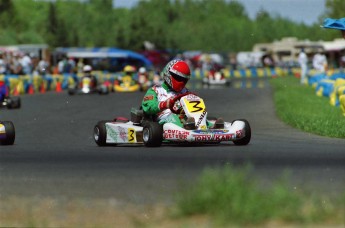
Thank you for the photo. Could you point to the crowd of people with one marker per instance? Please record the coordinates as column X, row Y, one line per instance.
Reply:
column 19, row 63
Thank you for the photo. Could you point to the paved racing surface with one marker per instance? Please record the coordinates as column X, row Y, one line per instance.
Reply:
column 55, row 155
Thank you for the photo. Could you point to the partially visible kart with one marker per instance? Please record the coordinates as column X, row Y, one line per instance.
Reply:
column 7, row 133
column 144, row 129
column 86, row 87
column 126, row 84
column 216, row 78
column 11, row 102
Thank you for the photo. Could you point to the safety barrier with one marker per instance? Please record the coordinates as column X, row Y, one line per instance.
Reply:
column 330, row 85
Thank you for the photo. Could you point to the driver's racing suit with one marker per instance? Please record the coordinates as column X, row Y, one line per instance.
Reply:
column 156, row 94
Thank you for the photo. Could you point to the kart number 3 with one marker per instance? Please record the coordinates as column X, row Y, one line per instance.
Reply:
column 195, row 106
column 131, row 135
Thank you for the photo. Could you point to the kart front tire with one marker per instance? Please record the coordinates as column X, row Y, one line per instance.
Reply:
column 100, row 133
column 10, row 134
column 248, row 134
column 152, row 134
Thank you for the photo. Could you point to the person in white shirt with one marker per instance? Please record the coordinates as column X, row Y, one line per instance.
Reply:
column 320, row 62
column 303, row 62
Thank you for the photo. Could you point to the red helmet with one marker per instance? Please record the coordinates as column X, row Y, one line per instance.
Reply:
column 176, row 74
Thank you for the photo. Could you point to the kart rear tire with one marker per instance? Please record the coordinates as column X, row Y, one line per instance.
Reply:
column 100, row 133
column 248, row 133
column 10, row 133
column 152, row 134
column 71, row 91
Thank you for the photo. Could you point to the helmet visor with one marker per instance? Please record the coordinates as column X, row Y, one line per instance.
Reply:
column 179, row 78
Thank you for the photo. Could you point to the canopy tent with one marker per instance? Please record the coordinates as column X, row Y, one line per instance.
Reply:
column 103, row 52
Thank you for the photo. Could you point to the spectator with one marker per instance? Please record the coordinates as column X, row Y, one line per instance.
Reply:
column 26, row 64
column 303, row 62
column 2, row 64
column 320, row 62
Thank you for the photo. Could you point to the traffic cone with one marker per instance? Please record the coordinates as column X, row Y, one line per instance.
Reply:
column 31, row 89
column 15, row 91
column 58, row 86
column 42, row 89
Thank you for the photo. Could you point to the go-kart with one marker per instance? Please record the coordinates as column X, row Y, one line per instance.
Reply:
column 7, row 133
column 10, row 102
column 86, row 86
column 215, row 78
column 6, row 100
column 143, row 128
column 126, row 84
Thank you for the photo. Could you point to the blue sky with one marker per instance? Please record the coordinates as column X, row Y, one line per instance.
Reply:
column 306, row 11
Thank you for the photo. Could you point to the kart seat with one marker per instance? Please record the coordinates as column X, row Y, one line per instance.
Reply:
column 138, row 116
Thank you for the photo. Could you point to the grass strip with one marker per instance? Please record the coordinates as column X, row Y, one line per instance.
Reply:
column 299, row 106
column 229, row 196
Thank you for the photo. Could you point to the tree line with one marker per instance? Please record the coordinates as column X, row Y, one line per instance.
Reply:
column 217, row 25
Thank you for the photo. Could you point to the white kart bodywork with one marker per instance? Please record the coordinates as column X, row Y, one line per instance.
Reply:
column 129, row 132
column 118, row 133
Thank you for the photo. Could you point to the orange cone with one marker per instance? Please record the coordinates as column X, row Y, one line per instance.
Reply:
column 15, row 91
column 42, row 89
column 58, row 86
column 31, row 89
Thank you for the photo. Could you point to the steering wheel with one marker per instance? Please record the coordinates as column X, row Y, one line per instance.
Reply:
column 175, row 99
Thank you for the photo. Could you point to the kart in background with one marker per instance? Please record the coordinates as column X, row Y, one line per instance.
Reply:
column 146, row 130
column 126, row 84
column 215, row 78
column 86, row 86
column 7, row 133
column 6, row 100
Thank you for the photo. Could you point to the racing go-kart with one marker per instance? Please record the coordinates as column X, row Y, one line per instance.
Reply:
column 215, row 78
column 10, row 102
column 145, row 129
column 7, row 133
column 86, row 86
column 126, row 84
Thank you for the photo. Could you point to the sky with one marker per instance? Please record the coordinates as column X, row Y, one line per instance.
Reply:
column 307, row 11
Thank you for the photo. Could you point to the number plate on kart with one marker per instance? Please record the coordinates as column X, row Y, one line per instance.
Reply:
column 194, row 106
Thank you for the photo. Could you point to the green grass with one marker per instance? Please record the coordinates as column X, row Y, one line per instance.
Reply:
column 299, row 106
column 229, row 196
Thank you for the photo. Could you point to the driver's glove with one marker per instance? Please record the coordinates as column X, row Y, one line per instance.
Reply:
column 165, row 104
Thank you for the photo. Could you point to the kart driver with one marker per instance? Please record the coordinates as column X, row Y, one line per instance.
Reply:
column 159, row 99
column 87, row 70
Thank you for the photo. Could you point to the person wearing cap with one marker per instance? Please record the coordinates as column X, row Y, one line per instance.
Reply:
column 338, row 24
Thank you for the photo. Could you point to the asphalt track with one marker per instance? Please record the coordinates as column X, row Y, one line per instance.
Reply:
column 55, row 155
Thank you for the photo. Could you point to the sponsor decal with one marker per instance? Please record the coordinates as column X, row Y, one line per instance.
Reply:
column 112, row 133
column 211, row 131
column 239, row 134
column 175, row 134
column 122, row 133
column 148, row 97
column 201, row 118
column 213, row 137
